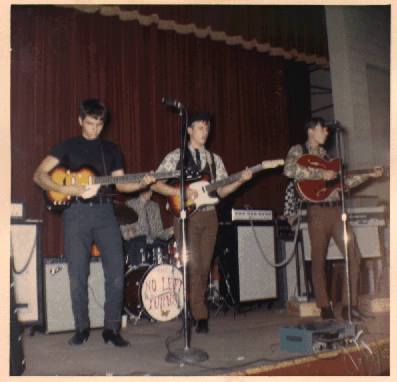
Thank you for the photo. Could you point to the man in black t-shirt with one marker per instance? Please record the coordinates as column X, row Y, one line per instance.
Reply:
column 90, row 218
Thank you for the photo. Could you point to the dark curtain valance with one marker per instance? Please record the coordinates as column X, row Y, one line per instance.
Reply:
column 297, row 32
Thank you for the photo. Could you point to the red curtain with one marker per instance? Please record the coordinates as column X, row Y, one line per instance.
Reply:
column 61, row 56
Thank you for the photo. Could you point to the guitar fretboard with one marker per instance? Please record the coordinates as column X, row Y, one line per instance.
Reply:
column 135, row 177
column 213, row 186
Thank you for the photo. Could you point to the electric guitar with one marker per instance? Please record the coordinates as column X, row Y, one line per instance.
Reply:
column 316, row 191
column 204, row 188
column 86, row 176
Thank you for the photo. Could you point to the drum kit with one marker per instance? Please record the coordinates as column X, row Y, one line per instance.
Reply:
column 154, row 287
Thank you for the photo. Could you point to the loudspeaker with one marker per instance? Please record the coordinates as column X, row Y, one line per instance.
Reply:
column 59, row 315
column 367, row 238
column 249, row 275
column 26, row 268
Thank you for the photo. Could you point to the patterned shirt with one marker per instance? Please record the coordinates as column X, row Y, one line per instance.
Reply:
column 298, row 172
column 149, row 221
column 171, row 160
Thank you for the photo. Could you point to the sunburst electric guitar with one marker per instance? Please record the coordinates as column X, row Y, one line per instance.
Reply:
column 86, row 176
column 204, row 188
column 316, row 191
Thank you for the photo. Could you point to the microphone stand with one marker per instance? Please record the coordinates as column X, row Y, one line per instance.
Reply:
column 350, row 330
column 187, row 354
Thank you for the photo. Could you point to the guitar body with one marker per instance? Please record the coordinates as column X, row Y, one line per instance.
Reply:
column 203, row 198
column 316, row 191
column 205, row 189
column 61, row 175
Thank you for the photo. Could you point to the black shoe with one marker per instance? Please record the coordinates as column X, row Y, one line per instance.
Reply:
column 327, row 313
column 115, row 338
column 202, row 326
column 355, row 314
column 79, row 337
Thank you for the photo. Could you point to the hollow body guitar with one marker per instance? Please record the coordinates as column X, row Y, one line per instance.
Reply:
column 86, row 176
column 205, row 189
column 316, row 191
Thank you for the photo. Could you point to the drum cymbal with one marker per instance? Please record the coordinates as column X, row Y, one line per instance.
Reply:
column 124, row 214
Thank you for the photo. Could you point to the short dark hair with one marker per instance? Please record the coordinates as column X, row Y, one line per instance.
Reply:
column 199, row 116
column 313, row 122
column 93, row 108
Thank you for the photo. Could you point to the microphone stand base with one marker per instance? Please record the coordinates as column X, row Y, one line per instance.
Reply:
column 186, row 355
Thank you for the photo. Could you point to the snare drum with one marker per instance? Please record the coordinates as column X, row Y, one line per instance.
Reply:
column 156, row 291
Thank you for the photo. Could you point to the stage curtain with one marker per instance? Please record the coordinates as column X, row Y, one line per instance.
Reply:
column 61, row 56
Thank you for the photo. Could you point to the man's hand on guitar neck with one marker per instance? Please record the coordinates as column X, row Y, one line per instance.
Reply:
column 378, row 171
column 246, row 175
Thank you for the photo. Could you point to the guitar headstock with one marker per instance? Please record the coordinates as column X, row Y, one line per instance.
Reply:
column 272, row 163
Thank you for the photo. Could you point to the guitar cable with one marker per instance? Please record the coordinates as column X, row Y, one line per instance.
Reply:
column 265, row 256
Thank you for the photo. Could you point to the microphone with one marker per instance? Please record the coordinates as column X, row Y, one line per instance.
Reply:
column 334, row 125
column 172, row 102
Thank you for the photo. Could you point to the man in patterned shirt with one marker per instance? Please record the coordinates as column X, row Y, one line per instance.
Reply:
column 148, row 232
column 324, row 220
column 202, row 225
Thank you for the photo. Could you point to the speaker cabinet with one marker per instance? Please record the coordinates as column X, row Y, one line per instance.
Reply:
column 26, row 268
column 59, row 316
column 367, row 240
column 244, row 266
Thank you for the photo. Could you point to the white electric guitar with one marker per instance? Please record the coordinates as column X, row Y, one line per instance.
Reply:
column 204, row 188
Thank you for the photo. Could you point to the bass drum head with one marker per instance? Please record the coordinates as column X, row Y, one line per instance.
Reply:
column 161, row 292
column 132, row 282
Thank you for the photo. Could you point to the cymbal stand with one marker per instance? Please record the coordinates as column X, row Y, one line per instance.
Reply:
column 224, row 304
column 212, row 296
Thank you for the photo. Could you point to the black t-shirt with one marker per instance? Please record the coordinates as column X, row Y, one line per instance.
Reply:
column 78, row 152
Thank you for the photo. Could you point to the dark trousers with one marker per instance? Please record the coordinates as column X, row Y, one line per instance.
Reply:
column 202, row 228
column 84, row 224
column 324, row 223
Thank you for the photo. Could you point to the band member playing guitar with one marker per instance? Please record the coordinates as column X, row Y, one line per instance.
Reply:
column 91, row 218
column 308, row 162
column 202, row 225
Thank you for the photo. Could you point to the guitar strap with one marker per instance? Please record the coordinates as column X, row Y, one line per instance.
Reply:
column 211, row 162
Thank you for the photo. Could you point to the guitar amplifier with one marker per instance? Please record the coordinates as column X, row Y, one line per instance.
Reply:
column 58, row 304
column 254, row 215
column 364, row 221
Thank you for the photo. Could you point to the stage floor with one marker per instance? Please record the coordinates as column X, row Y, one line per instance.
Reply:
column 247, row 343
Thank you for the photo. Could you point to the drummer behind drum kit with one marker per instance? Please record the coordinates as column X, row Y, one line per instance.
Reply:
column 155, row 286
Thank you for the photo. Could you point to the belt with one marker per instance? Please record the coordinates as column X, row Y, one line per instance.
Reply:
column 96, row 200
column 327, row 204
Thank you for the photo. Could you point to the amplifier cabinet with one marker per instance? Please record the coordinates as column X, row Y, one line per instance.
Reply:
column 58, row 304
column 26, row 271
column 249, row 275
column 367, row 238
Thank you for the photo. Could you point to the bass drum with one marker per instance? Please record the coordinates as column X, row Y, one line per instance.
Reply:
column 156, row 291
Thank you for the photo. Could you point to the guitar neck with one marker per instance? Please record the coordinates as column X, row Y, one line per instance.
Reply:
column 103, row 180
column 233, row 178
